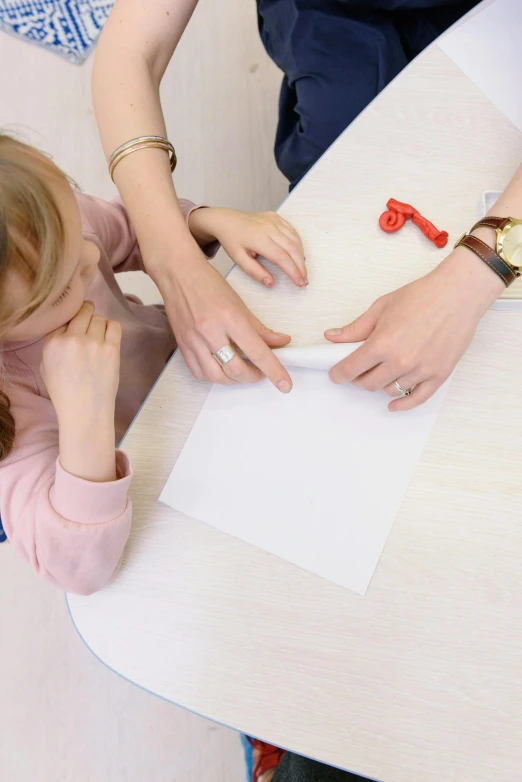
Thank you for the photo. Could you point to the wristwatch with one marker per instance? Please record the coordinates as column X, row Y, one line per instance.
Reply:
column 506, row 259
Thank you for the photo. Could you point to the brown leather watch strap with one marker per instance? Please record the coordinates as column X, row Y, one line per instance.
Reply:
column 490, row 257
column 492, row 222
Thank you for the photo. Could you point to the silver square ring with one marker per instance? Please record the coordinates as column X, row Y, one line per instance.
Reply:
column 225, row 354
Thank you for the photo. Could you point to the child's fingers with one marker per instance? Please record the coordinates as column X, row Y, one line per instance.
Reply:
column 274, row 252
column 294, row 251
column 56, row 333
column 113, row 332
column 97, row 328
column 253, row 268
column 80, row 323
column 291, row 233
column 293, row 237
column 289, row 228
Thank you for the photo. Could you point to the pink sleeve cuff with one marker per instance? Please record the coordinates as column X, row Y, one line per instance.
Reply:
column 187, row 207
column 88, row 502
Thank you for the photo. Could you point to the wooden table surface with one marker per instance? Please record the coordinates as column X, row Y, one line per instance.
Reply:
column 421, row 680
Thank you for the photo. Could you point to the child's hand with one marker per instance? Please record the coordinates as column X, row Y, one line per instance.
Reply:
column 246, row 235
column 81, row 365
column 80, row 368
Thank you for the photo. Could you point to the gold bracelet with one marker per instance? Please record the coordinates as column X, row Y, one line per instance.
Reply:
column 142, row 142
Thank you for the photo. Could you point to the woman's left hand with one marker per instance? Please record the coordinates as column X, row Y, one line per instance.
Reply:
column 247, row 235
column 416, row 335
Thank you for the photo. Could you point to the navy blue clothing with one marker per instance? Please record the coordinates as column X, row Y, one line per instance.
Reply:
column 336, row 56
column 294, row 768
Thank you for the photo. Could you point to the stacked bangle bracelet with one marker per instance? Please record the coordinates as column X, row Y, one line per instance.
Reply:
column 142, row 142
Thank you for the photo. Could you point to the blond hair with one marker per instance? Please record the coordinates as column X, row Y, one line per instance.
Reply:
column 31, row 243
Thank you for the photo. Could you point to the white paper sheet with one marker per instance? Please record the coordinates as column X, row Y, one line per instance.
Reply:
column 315, row 477
column 489, row 198
column 487, row 48
column 322, row 356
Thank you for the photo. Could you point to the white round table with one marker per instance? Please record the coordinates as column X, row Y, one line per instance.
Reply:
column 421, row 680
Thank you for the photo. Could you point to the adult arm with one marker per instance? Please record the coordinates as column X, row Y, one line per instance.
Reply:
column 135, row 48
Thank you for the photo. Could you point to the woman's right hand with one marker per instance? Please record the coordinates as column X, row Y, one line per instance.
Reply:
column 206, row 314
column 81, row 368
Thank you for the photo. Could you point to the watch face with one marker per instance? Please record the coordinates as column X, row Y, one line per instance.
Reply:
column 512, row 246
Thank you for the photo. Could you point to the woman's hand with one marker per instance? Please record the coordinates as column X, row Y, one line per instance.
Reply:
column 416, row 335
column 81, row 368
column 206, row 314
column 247, row 235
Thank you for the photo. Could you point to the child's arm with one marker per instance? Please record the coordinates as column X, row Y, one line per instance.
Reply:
column 109, row 223
column 244, row 236
column 70, row 530
column 81, row 369
column 64, row 504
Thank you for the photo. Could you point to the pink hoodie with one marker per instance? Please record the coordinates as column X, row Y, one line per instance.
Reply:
column 73, row 531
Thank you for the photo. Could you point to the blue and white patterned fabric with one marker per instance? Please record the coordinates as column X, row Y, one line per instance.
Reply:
column 249, row 757
column 66, row 27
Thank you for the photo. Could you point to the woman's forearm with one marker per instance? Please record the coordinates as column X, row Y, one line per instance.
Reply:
column 134, row 50
column 510, row 202
column 508, row 205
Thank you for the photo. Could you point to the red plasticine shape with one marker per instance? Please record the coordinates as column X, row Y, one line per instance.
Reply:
column 398, row 213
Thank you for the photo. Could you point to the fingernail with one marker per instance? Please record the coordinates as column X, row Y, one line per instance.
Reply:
column 278, row 334
column 333, row 332
column 302, row 283
column 268, row 282
column 285, row 386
